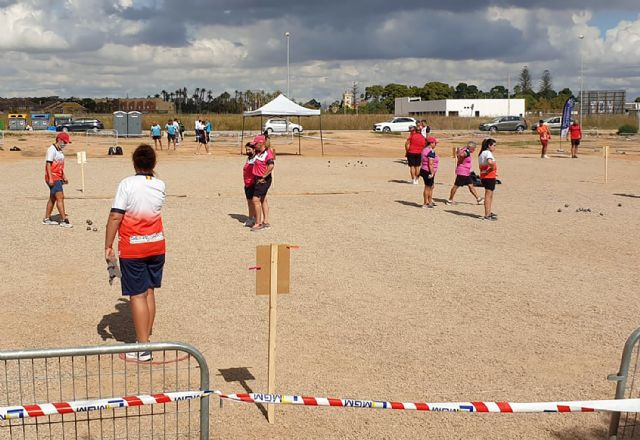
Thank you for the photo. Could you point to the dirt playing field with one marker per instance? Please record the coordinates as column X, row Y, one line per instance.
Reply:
column 389, row 301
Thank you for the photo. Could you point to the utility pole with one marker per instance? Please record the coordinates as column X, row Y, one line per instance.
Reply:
column 581, row 37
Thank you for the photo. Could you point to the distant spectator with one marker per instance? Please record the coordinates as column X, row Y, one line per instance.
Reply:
column 576, row 136
column 413, row 147
column 545, row 137
column 156, row 135
column 429, row 161
column 171, row 135
column 207, row 129
column 176, row 124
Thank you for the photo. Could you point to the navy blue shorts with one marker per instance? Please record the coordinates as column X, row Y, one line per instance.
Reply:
column 56, row 188
column 141, row 274
column 248, row 192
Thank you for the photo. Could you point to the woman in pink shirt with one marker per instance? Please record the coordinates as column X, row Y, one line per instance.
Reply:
column 428, row 169
column 249, row 182
column 463, row 173
column 262, row 172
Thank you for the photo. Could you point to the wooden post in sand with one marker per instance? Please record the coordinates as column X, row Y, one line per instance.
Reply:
column 272, row 278
column 605, row 155
column 82, row 159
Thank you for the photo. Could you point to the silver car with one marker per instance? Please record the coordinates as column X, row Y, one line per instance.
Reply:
column 505, row 123
column 554, row 123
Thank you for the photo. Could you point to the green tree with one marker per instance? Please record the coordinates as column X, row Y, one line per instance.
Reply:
column 498, row 92
column 546, row 86
column 525, row 81
column 436, row 90
column 373, row 93
column 637, row 99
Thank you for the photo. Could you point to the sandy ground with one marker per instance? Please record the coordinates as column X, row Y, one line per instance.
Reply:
column 389, row 301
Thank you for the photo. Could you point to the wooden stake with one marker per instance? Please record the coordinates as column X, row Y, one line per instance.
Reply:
column 82, row 173
column 273, row 303
column 605, row 152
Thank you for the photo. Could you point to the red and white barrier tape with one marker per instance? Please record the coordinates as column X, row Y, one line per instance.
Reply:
column 626, row 405
column 47, row 409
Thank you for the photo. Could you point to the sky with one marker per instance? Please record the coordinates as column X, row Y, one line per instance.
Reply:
column 117, row 48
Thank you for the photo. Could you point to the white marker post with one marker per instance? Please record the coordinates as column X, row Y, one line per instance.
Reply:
column 605, row 154
column 82, row 159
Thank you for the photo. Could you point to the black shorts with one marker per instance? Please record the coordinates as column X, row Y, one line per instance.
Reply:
column 575, row 142
column 171, row 137
column 141, row 274
column 462, row 180
column 425, row 176
column 261, row 189
column 155, row 138
column 489, row 184
column 248, row 192
column 414, row 160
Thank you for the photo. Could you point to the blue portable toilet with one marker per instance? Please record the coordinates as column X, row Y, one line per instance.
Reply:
column 40, row 121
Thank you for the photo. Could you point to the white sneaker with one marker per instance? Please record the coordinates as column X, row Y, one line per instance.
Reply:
column 140, row 356
column 65, row 224
column 415, row 182
column 48, row 221
column 449, row 202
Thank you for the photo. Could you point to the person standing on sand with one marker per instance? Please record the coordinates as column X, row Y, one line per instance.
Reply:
column 55, row 178
column 262, row 171
column 545, row 137
column 463, row 173
column 171, row 134
column 488, row 175
column 156, row 135
column 576, row 136
column 137, row 220
column 429, row 167
column 413, row 148
column 176, row 124
column 249, row 182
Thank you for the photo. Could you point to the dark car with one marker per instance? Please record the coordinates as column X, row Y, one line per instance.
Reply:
column 505, row 123
column 82, row 124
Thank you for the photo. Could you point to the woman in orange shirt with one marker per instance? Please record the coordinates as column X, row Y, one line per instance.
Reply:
column 545, row 137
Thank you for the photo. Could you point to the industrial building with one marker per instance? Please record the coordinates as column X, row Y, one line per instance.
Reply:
column 415, row 106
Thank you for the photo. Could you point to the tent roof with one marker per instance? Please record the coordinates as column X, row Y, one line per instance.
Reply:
column 282, row 106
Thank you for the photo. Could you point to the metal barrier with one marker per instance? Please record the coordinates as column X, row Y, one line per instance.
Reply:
column 96, row 138
column 626, row 425
column 85, row 373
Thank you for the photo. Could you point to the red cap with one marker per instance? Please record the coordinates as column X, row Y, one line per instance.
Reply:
column 432, row 140
column 64, row 137
column 259, row 138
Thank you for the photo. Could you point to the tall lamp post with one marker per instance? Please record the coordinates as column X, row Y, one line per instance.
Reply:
column 581, row 37
column 288, row 35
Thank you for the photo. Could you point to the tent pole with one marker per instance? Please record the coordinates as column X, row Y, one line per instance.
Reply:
column 299, row 140
column 321, row 141
column 242, row 135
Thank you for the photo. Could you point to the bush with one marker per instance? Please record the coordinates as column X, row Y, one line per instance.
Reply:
column 627, row 129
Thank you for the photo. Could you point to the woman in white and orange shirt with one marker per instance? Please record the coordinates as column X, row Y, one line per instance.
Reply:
column 488, row 175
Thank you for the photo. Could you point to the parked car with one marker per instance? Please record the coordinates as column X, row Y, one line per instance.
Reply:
column 396, row 124
column 554, row 123
column 505, row 123
column 81, row 124
column 280, row 125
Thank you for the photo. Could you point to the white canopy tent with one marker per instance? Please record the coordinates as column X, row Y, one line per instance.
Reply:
column 282, row 106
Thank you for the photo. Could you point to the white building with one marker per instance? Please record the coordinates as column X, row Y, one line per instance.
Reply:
column 459, row 107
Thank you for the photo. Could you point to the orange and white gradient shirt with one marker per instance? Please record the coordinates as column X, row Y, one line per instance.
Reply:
column 56, row 158
column 140, row 199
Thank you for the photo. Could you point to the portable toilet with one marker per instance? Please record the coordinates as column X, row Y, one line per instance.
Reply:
column 134, row 123
column 120, row 122
column 1, row 124
column 40, row 121
column 61, row 118
column 17, row 121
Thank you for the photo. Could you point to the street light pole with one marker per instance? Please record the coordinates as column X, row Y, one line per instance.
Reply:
column 581, row 37
column 288, row 34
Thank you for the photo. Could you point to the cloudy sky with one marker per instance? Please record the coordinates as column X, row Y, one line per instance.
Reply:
column 114, row 48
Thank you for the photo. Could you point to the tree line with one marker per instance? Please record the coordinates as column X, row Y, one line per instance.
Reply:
column 381, row 99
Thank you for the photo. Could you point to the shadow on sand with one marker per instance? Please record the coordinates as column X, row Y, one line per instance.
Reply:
column 118, row 325
column 241, row 375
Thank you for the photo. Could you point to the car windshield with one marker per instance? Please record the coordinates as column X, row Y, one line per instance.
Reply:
column 495, row 120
